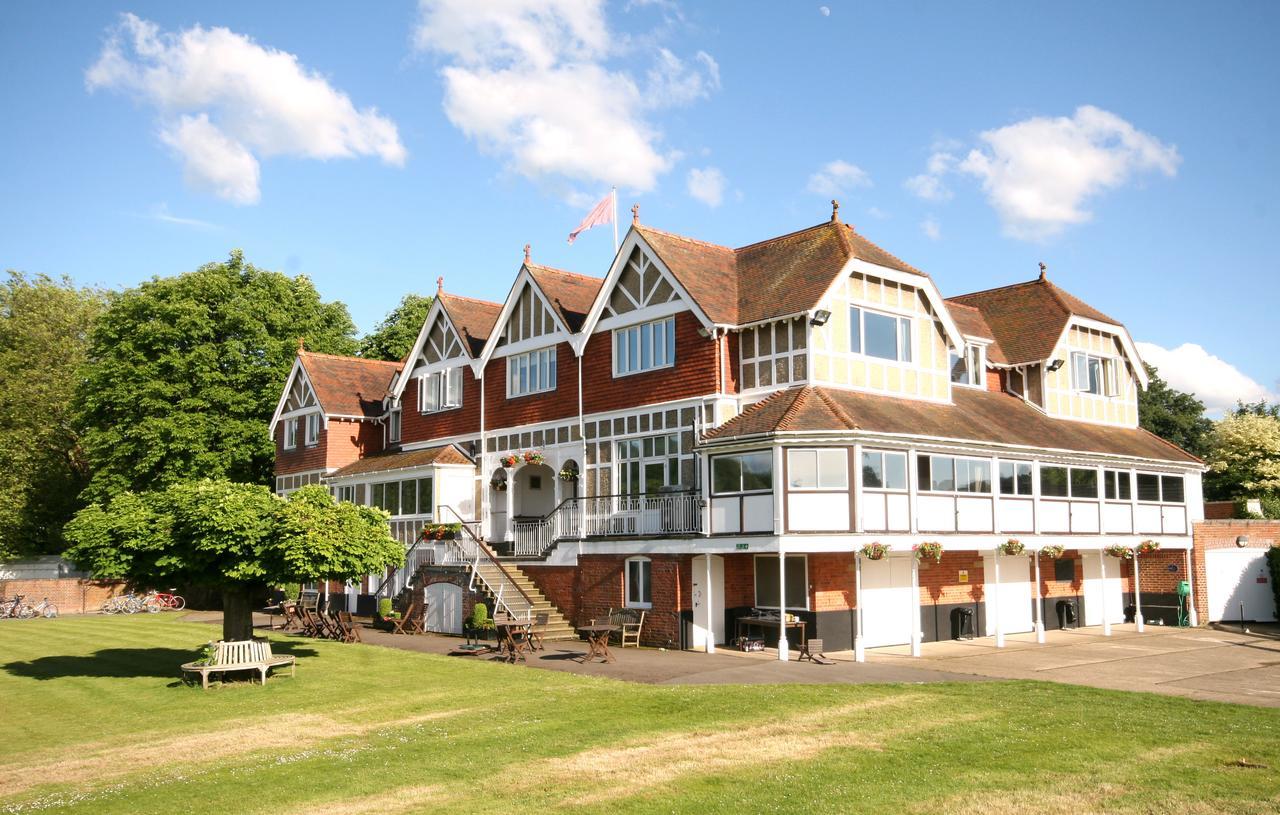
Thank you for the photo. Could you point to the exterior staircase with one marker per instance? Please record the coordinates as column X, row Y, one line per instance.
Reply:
column 558, row 627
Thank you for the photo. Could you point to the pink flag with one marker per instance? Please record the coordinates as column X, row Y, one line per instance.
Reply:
column 602, row 213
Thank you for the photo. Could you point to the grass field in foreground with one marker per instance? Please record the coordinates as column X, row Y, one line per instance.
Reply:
column 92, row 719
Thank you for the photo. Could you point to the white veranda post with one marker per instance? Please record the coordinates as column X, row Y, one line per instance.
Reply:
column 707, row 600
column 1102, row 571
column 1039, row 604
column 1191, row 601
column 915, row 607
column 1137, row 595
column 859, row 649
column 995, row 596
column 783, row 654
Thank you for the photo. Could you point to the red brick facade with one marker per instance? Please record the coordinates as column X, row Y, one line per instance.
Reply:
column 1222, row 535
column 70, row 595
column 341, row 443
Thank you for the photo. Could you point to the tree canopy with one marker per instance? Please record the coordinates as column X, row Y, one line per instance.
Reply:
column 1173, row 415
column 44, row 337
column 1244, row 456
column 233, row 538
column 393, row 338
column 184, row 372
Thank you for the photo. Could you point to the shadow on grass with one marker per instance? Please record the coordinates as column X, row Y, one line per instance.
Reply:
column 126, row 662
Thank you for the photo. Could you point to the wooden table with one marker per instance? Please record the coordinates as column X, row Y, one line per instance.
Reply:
column 766, row 623
column 598, row 639
column 514, row 636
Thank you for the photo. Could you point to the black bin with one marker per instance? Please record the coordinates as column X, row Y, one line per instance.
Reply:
column 1066, row 613
column 962, row 624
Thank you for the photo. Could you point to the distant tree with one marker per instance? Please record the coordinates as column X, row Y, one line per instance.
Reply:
column 393, row 338
column 237, row 539
column 1258, row 408
column 184, row 373
column 1244, row 456
column 1173, row 415
column 44, row 337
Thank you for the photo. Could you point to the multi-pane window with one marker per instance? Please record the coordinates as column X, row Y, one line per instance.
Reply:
column 774, row 353
column 644, row 347
column 884, row 471
column 290, row 434
column 1168, row 489
column 440, row 390
column 818, row 469
column 408, row 497
column 313, row 429
column 886, row 336
column 742, row 472
column 393, row 425
column 948, row 474
column 967, row 368
column 649, row 464
column 1093, row 374
column 1074, row 482
column 533, row 372
column 767, row 581
column 347, row 493
column 639, row 583
column 1015, row 478
column 1117, row 485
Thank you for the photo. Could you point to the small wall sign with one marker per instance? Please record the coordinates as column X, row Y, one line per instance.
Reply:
column 741, row 546
column 1173, row 568
column 964, row 576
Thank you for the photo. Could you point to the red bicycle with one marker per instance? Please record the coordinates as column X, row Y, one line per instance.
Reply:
column 168, row 600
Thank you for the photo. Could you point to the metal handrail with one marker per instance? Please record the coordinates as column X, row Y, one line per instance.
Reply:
column 481, row 550
column 407, row 559
column 610, row 515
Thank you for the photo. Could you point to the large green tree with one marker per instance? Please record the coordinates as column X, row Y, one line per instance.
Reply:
column 392, row 338
column 1173, row 415
column 184, row 373
column 1244, row 456
column 236, row 539
column 44, row 337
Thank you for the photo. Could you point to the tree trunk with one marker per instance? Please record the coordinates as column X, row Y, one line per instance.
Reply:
column 237, row 614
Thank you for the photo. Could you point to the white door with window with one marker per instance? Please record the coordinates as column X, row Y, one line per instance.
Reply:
column 885, row 605
column 708, row 601
column 1236, row 577
column 444, row 608
column 1014, row 598
column 1094, row 588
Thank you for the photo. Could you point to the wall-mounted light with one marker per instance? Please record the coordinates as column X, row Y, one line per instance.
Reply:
column 1242, row 541
column 703, row 332
column 1056, row 364
column 820, row 317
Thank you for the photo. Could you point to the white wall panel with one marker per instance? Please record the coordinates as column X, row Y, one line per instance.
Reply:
column 935, row 513
column 1017, row 515
column 818, row 511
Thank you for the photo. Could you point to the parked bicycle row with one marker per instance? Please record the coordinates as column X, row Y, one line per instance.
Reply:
column 19, row 609
column 152, row 602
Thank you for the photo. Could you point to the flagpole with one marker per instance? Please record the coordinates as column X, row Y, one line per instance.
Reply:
column 615, row 220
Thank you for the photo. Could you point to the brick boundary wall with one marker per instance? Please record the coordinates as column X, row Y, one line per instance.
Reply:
column 1222, row 535
column 71, row 595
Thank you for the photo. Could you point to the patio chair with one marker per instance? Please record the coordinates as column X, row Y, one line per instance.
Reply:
column 347, row 627
column 812, row 651
column 631, row 625
column 538, row 630
column 292, row 617
column 310, row 623
column 410, row 622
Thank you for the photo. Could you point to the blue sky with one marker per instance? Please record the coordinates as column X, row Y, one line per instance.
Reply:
column 374, row 147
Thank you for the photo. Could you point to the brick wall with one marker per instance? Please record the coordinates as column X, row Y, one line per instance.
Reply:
column 338, row 445
column 415, row 426
column 1222, row 534
column 831, row 582
column 557, row 584
column 70, row 595
column 940, row 582
column 694, row 373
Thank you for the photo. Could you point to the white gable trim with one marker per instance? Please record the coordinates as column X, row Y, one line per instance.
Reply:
column 1119, row 332
column 924, row 284
column 297, row 370
column 411, row 361
column 629, row 243
column 500, row 326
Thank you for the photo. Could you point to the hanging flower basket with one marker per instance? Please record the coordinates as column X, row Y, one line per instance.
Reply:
column 928, row 550
column 510, row 461
column 1148, row 547
column 1013, row 546
column 1052, row 551
column 568, row 474
column 875, row 551
column 533, row 457
column 1117, row 551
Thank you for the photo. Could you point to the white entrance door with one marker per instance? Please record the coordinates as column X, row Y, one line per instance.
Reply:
column 1235, row 576
column 1094, row 588
column 885, row 604
column 708, row 597
column 444, row 608
column 1015, row 594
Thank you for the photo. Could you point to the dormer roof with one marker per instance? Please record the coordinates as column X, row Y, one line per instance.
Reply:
column 348, row 386
column 474, row 319
column 973, row 325
column 570, row 294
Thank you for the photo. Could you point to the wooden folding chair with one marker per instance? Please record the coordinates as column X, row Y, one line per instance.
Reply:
column 292, row 618
column 812, row 651
column 538, row 630
column 410, row 621
column 310, row 623
column 331, row 628
column 350, row 632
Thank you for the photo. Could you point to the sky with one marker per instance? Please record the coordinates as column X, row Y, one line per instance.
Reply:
column 1132, row 147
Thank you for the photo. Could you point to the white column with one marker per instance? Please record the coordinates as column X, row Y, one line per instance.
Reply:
column 916, row 633
column 509, row 535
column 859, row 650
column 1137, row 594
column 1035, row 560
column 1191, row 598
column 912, row 491
column 857, row 487
column 995, row 559
column 1102, row 570
column 708, row 600
column 783, row 654
column 995, row 495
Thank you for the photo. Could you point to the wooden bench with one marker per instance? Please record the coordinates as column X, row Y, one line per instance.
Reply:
column 240, row 655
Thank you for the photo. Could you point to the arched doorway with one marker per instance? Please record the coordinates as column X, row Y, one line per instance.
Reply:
column 535, row 491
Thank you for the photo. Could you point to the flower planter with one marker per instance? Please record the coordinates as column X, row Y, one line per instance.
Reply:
column 875, row 551
column 928, row 551
column 1051, row 552
column 1148, row 547
column 1121, row 552
column 1013, row 546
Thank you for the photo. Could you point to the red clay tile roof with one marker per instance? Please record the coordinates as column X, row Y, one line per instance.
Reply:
column 348, row 386
column 981, row 416
column 474, row 318
column 381, row 462
column 570, row 293
column 1028, row 318
column 783, row 275
column 972, row 324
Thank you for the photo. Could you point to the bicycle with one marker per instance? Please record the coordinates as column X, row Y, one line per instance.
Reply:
column 16, row 609
column 170, row 601
column 45, row 609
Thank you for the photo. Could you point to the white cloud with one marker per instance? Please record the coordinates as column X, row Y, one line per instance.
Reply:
column 838, row 178
column 824, row 11
column 931, row 229
column 1214, row 381
column 530, row 81
column 160, row 212
column 929, row 185
column 707, row 185
column 1040, row 173
column 224, row 101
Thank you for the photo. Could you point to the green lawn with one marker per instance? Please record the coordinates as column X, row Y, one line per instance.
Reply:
column 93, row 720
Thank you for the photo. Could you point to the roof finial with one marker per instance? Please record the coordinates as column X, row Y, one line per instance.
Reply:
column 635, row 213
column 440, row 284
column 835, row 211
column 527, row 251
column 1043, row 268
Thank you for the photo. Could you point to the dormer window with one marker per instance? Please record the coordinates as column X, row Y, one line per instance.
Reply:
column 875, row 334
column 313, row 429
column 533, row 372
column 968, row 368
column 644, row 347
column 441, row 390
column 291, row 434
column 1093, row 374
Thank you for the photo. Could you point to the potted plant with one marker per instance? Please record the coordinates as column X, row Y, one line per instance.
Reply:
column 533, row 457
column 440, row 532
column 510, row 462
column 1148, row 547
column 567, row 474
column 1013, row 546
column 479, row 624
column 1118, row 551
column 1052, row 551
column 875, row 551
column 928, row 550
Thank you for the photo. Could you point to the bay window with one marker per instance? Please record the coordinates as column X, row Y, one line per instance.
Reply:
column 884, row 471
column 644, row 347
column 875, row 334
column 742, row 472
column 412, row 496
column 441, row 390
column 818, row 469
column 532, row 372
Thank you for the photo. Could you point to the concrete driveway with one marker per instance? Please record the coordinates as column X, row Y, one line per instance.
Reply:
column 1200, row 663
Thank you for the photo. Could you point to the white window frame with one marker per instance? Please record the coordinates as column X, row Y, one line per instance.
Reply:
column 625, row 457
column 993, row 483
column 1107, row 374
column 752, row 361
column 313, row 429
column 1114, row 476
column 646, row 567
column 1015, row 463
column 796, row 459
column 884, row 454
column 858, row 314
column 532, row 366
column 975, row 367
column 394, row 422
column 646, row 340
column 740, row 490
column 347, row 492
column 291, row 433
column 1161, row 499
column 441, row 390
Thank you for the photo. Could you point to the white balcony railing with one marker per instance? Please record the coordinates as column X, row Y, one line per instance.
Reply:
column 644, row 515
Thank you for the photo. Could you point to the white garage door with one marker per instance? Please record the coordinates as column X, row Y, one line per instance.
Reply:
column 1094, row 588
column 444, row 608
column 1015, row 593
column 886, row 602
column 1235, row 576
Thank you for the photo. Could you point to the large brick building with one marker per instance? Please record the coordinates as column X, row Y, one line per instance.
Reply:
column 713, row 434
